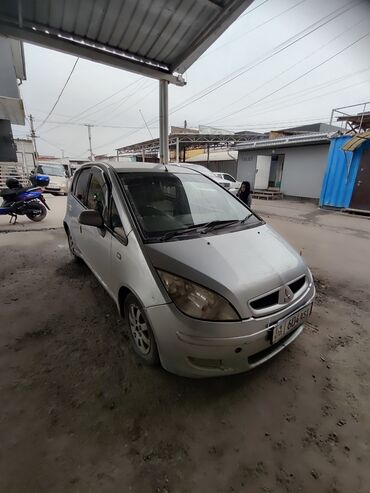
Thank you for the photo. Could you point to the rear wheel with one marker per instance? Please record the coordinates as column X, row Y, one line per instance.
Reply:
column 37, row 212
column 140, row 332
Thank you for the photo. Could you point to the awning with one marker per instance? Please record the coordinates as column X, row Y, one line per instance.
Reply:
column 157, row 38
column 356, row 141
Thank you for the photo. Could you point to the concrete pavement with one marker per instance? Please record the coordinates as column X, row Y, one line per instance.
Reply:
column 54, row 218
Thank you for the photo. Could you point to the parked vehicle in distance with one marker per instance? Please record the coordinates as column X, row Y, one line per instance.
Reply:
column 206, row 287
column 208, row 172
column 234, row 184
column 59, row 180
column 24, row 201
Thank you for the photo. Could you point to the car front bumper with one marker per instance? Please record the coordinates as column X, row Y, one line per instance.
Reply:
column 54, row 188
column 195, row 348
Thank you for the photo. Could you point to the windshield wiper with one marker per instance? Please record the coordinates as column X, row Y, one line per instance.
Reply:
column 178, row 232
column 202, row 227
column 218, row 224
column 243, row 221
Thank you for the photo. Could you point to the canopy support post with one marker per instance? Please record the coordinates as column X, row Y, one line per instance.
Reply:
column 163, row 121
column 177, row 150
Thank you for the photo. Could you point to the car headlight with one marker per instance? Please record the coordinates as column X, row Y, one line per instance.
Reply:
column 196, row 301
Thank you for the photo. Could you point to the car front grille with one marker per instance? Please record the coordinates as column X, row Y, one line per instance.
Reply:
column 266, row 301
column 272, row 299
column 298, row 284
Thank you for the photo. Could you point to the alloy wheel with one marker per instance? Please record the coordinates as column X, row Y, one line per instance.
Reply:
column 139, row 329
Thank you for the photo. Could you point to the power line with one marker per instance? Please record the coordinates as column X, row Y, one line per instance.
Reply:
column 297, row 78
column 273, row 123
column 236, row 38
column 282, row 47
column 329, row 93
column 143, row 96
column 86, row 110
column 122, row 100
column 242, row 70
column 142, row 116
column 60, row 94
column 252, row 10
column 78, row 124
column 273, row 79
column 322, row 85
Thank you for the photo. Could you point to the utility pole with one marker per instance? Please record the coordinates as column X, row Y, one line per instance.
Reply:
column 90, row 145
column 33, row 137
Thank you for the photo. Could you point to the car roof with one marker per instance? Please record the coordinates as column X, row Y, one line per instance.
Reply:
column 135, row 167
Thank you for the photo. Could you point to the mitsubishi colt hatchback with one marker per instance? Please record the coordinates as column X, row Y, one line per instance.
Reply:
column 205, row 286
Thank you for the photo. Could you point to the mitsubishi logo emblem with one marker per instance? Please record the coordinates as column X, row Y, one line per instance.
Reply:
column 288, row 294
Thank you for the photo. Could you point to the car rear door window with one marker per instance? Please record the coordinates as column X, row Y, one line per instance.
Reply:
column 81, row 186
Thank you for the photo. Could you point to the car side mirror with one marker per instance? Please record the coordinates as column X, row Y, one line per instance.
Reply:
column 91, row 218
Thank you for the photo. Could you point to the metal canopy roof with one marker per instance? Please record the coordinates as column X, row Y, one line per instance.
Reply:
column 190, row 141
column 296, row 140
column 157, row 38
column 357, row 122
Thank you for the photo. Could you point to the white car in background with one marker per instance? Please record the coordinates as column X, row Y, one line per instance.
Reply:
column 232, row 183
column 59, row 180
column 208, row 172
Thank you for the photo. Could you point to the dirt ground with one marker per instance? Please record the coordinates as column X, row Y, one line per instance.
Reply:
column 79, row 413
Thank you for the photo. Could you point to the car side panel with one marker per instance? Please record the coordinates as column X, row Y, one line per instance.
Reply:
column 130, row 269
column 74, row 209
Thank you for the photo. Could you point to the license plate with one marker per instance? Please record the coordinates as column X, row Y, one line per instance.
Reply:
column 290, row 323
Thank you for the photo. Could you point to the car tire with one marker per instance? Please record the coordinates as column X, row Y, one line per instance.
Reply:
column 140, row 332
column 71, row 246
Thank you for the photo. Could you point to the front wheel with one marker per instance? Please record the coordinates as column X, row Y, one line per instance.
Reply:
column 140, row 332
column 37, row 212
column 72, row 247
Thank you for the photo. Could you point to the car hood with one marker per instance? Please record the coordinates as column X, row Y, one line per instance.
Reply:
column 239, row 265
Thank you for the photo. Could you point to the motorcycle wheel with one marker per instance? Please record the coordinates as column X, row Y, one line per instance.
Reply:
column 38, row 213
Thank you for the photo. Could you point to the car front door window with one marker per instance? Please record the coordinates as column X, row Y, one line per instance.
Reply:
column 115, row 221
column 81, row 184
column 97, row 195
column 230, row 178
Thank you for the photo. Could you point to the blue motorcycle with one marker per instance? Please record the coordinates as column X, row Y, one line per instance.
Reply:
column 28, row 201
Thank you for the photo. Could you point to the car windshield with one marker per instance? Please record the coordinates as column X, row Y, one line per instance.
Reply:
column 174, row 203
column 51, row 170
column 229, row 177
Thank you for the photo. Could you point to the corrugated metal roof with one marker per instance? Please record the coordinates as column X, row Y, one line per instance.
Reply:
column 308, row 139
column 158, row 38
column 356, row 141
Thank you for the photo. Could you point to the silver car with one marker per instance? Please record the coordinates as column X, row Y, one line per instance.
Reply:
column 205, row 286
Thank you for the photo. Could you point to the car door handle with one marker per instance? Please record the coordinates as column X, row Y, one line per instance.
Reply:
column 118, row 255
